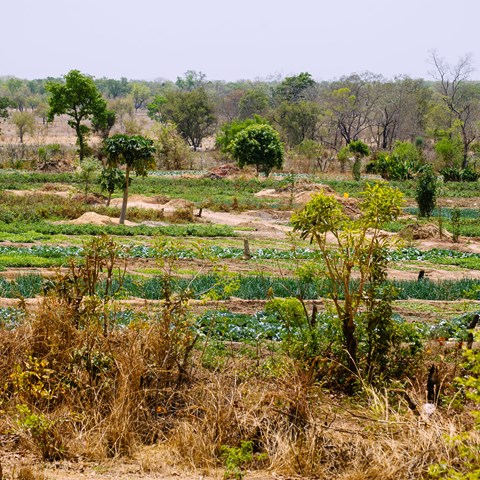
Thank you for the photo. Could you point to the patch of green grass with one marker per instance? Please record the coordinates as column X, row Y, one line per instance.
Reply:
column 22, row 261
column 438, row 308
column 194, row 230
column 150, row 271
column 472, row 263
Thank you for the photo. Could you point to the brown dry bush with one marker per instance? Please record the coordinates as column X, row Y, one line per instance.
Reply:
column 307, row 432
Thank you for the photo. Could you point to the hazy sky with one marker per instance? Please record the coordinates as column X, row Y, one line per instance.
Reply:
column 245, row 39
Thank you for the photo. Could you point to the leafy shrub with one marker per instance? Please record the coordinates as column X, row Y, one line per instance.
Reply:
column 401, row 164
column 456, row 216
column 426, row 192
column 455, row 174
column 449, row 150
column 237, row 458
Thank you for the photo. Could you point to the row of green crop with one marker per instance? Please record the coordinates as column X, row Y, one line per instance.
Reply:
column 182, row 230
column 250, row 288
column 465, row 213
column 56, row 255
column 216, row 251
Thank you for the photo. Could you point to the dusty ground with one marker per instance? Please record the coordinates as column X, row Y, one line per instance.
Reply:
column 150, row 466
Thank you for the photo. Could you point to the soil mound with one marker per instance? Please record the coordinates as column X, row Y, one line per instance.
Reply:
column 177, row 203
column 222, row 171
column 419, row 231
column 305, row 185
column 96, row 219
column 179, row 209
column 90, row 199
column 301, row 192
column 141, row 201
column 155, row 200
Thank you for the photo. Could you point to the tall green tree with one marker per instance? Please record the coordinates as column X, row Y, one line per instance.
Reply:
column 192, row 112
column 258, row 145
column 294, row 88
column 79, row 99
column 133, row 151
column 298, row 120
column 230, row 130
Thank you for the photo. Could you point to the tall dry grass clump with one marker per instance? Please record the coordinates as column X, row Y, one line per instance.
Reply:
column 298, row 429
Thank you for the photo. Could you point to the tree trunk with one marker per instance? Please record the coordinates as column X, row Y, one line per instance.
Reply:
column 350, row 343
column 465, row 153
column 125, row 198
column 81, row 141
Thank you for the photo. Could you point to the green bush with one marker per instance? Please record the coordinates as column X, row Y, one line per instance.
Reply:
column 455, row 174
column 426, row 192
column 401, row 164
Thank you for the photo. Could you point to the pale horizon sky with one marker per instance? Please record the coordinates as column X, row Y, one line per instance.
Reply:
column 148, row 39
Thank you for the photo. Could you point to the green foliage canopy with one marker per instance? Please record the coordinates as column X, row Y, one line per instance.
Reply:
column 294, row 88
column 258, row 145
column 230, row 130
column 133, row 151
column 191, row 111
column 79, row 99
column 299, row 120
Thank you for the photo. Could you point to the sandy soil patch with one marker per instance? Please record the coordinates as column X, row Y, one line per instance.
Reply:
column 97, row 219
column 67, row 193
column 254, row 220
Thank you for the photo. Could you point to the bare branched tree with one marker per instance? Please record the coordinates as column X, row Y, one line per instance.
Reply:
column 461, row 100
